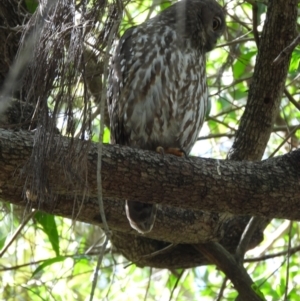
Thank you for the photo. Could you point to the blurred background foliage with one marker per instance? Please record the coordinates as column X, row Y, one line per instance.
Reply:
column 52, row 258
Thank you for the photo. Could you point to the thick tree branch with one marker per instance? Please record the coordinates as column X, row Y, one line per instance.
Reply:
column 267, row 86
column 261, row 110
column 269, row 188
column 226, row 262
column 268, row 82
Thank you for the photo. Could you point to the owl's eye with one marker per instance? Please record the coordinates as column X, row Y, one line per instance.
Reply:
column 217, row 22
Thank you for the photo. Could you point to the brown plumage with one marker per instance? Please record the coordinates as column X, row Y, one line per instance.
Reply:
column 157, row 95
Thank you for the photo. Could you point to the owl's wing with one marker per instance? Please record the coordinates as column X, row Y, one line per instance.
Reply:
column 140, row 96
column 154, row 88
column 120, row 66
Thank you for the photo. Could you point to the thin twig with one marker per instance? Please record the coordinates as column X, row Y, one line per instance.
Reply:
column 233, row 84
column 100, row 145
column 291, row 99
column 286, row 51
column 221, row 122
column 102, row 108
column 292, row 251
column 100, row 257
column 161, row 251
column 213, row 136
column 246, row 238
column 238, row 40
column 176, row 284
column 288, row 264
column 281, row 128
column 17, row 232
column 148, row 285
column 222, row 289
column 284, row 141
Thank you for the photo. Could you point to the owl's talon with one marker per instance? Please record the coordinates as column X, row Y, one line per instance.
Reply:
column 178, row 152
column 160, row 150
column 185, row 154
column 141, row 216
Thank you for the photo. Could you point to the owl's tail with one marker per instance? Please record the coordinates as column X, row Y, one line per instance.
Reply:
column 141, row 216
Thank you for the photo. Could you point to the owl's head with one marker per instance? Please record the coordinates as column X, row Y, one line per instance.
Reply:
column 202, row 21
column 212, row 17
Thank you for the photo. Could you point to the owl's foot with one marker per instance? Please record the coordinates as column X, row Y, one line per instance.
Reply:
column 141, row 216
column 171, row 150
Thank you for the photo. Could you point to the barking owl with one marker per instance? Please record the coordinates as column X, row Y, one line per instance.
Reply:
column 157, row 94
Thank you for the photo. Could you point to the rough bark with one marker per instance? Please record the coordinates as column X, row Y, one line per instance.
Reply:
column 71, row 192
column 268, row 82
column 269, row 188
column 257, row 122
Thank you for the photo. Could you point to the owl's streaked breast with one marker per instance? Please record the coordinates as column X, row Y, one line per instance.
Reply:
column 163, row 99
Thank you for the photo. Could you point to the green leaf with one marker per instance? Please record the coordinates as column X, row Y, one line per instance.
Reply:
column 295, row 61
column 106, row 135
column 208, row 108
column 258, row 291
column 31, row 5
column 261, row 9
column 82, row 265
column 48, row 262
column 48, row 224
column 2, row 241
column 164, row 4
column 240, row 65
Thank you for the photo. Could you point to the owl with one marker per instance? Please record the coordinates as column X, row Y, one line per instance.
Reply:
column 157, row 91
